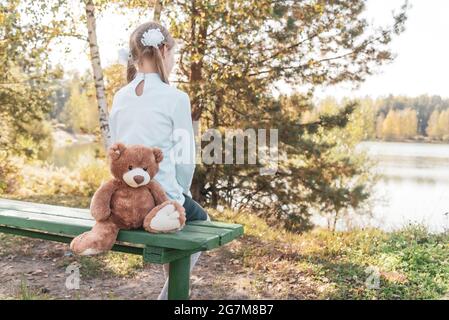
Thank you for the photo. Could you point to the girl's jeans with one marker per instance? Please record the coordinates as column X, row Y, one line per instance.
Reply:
column 193, row 212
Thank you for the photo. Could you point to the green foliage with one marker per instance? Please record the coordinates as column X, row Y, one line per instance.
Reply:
column 346, row 176
column 427, row 110
column 424, row 106
column 362, row 123
column 37, row 141
column 399, row 118
column 80, row 113
column 399, row 125
column 115, row 78
column 438, row 125
column 92, row 172
column 8, row 174
column 424, row 258
column 24, row 77
column 74, row 99
column 39, row 178
column 234, row 53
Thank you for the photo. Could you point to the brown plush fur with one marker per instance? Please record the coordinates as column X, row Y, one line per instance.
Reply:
column 116, row 205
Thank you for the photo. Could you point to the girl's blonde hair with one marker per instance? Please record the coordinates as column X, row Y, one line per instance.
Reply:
column 138, row 51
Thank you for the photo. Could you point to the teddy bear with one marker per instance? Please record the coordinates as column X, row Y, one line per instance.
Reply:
column 131, row 199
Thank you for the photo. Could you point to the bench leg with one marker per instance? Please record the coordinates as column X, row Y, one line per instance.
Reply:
column 179, row 279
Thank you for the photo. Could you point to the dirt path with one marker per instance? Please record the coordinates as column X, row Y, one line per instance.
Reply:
column 37, row 269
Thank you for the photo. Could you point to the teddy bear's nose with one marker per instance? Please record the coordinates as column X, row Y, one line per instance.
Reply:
column 138, row 179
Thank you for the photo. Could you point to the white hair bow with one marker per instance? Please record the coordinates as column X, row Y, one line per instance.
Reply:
column 152, row 38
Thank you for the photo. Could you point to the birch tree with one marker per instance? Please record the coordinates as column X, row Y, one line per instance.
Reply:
column 97, row 72
column 157, row 10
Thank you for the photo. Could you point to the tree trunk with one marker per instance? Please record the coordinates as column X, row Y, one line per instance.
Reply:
column 212, row 170
column 198, row 37
column 157, row 10
column 334, row 225
column 97, row 72
column 196, row 189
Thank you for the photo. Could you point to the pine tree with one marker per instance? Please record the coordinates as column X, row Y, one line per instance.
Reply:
column 234, row 52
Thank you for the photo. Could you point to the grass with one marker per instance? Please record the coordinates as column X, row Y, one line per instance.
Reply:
column 111, row 264
column 27, row 293
column 274, row 263
column 407, row 264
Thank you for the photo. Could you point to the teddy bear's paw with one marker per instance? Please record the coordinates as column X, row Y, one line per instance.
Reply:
column 90, row 243
column 167, row 219
column 79, row 247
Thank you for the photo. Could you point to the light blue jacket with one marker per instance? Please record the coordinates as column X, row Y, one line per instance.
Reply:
column 160, row 117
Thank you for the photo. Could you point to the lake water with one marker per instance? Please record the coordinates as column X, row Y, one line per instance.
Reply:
column 413, row 185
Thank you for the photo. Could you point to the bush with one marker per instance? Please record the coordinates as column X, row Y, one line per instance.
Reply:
column 92, row 173
column 9, row 178
column 41, row 178
column 45, row 179
column 37, row 141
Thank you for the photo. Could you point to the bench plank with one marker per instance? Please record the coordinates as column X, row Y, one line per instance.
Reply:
column 69, row 222
column 64, row 239
column 225, row 235
column 217, row 224
column 233, row 230
column 183, row 240
column 46, row 209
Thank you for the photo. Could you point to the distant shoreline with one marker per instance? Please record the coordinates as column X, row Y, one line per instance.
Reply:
column 421, row 141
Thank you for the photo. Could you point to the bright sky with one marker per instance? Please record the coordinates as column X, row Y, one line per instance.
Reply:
column 422, row 62
column 421, row 66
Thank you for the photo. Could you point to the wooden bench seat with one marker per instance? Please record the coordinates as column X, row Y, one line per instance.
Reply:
column 62, row 224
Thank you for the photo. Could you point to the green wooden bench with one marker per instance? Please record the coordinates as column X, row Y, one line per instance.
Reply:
column 61, row 224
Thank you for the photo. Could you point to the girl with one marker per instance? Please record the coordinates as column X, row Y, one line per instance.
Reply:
column 148, row 111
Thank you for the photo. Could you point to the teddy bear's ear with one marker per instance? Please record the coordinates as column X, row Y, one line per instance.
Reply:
column 116, row 150
column 158, row 155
